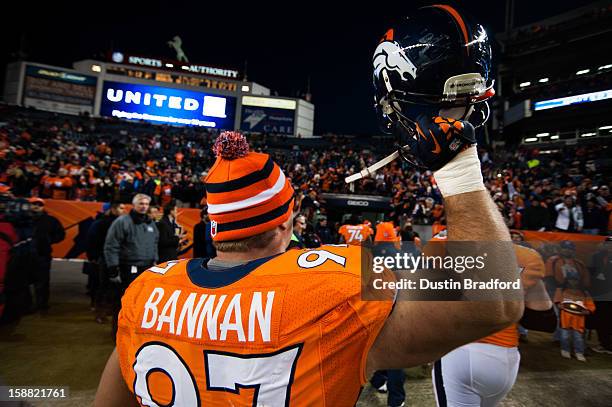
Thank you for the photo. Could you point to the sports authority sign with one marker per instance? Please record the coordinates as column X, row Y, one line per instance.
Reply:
column 167, row 64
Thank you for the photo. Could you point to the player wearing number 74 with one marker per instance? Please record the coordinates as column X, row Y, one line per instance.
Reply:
column 261, row 326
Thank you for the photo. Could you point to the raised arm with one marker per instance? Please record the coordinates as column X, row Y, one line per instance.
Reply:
column 421, row 331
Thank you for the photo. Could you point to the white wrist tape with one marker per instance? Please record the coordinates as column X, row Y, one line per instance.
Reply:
column 462, row 174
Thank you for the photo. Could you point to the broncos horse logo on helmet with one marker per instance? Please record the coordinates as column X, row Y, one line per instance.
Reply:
column 434, row 59
column 389, row 55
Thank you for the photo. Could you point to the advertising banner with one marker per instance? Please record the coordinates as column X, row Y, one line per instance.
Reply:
column 268, row 115
column 158, row 104
column 58, row 91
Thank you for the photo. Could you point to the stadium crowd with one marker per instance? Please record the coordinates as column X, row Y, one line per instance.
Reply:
column 566, row 188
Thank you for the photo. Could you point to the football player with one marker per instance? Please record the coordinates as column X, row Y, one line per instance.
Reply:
column 258, row 325
column 355, row 233
column 483, row 373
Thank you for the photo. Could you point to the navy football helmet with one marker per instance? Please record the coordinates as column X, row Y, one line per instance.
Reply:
column 437, row 58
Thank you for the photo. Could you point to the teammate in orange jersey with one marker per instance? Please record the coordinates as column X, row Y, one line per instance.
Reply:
column 483, row 373
column 386, row 232
column 260, row 326
column 355, row 233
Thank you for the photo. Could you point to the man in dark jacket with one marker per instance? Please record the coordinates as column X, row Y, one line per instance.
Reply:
column 594, row 218
column 130, row 246
column 170, row 234
column 324, row 232
column 47, row 231
column 96, row 236
column 202, row 240
column 536, row 216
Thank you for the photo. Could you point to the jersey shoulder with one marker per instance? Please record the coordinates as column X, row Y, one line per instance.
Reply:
column 172, row 273
column 343, row 259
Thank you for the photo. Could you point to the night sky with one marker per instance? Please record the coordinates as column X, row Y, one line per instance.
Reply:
column 283, row 44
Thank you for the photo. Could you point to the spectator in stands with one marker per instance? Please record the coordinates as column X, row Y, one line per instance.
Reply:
column 105, row 190
column 594, row 218
column 569, row 216
column 422, row 212
column 130, row 246
column 324, row 232
column 20, row 183
column 148, row 185
column 155, row 212
column 47, row 231
column 299, row 227
column 119, row 159
column 170, row 234
column 310, row 203
column 96, row 236
column 202, row 241
column 603, row 195
column 536, row 217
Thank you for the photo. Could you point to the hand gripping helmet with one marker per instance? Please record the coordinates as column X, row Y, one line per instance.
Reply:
column 437, row 58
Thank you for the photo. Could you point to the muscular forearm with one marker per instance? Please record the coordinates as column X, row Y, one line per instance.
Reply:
column 474, row 217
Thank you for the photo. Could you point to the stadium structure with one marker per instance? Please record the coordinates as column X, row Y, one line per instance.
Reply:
column 554, row 83
column 160, row 91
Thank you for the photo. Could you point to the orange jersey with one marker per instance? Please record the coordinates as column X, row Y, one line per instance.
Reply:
column 355, row 234
column 287, row 330
column 568, row 320
column 58, row 187
column 385, row 232
column 532, row 268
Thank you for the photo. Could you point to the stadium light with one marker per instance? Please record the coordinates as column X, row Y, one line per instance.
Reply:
column 524, row 84
column 604, row 67
column 587, row 134
column 542, row 134
column 605, row 128
column 583, row 71
column 169, row 65
column 543, row 80
column 96, row 68
column 554, row 137
column 245, row 88
column 530, row 140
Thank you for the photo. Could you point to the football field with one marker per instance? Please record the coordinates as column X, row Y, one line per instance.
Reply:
column 68, row 348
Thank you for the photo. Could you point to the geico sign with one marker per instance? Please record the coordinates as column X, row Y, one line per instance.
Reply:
column 357, row 203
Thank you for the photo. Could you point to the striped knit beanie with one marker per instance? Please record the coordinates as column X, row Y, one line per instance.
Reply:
column 247, row 192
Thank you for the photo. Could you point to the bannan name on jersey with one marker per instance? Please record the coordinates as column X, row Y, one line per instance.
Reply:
column 236, row 317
